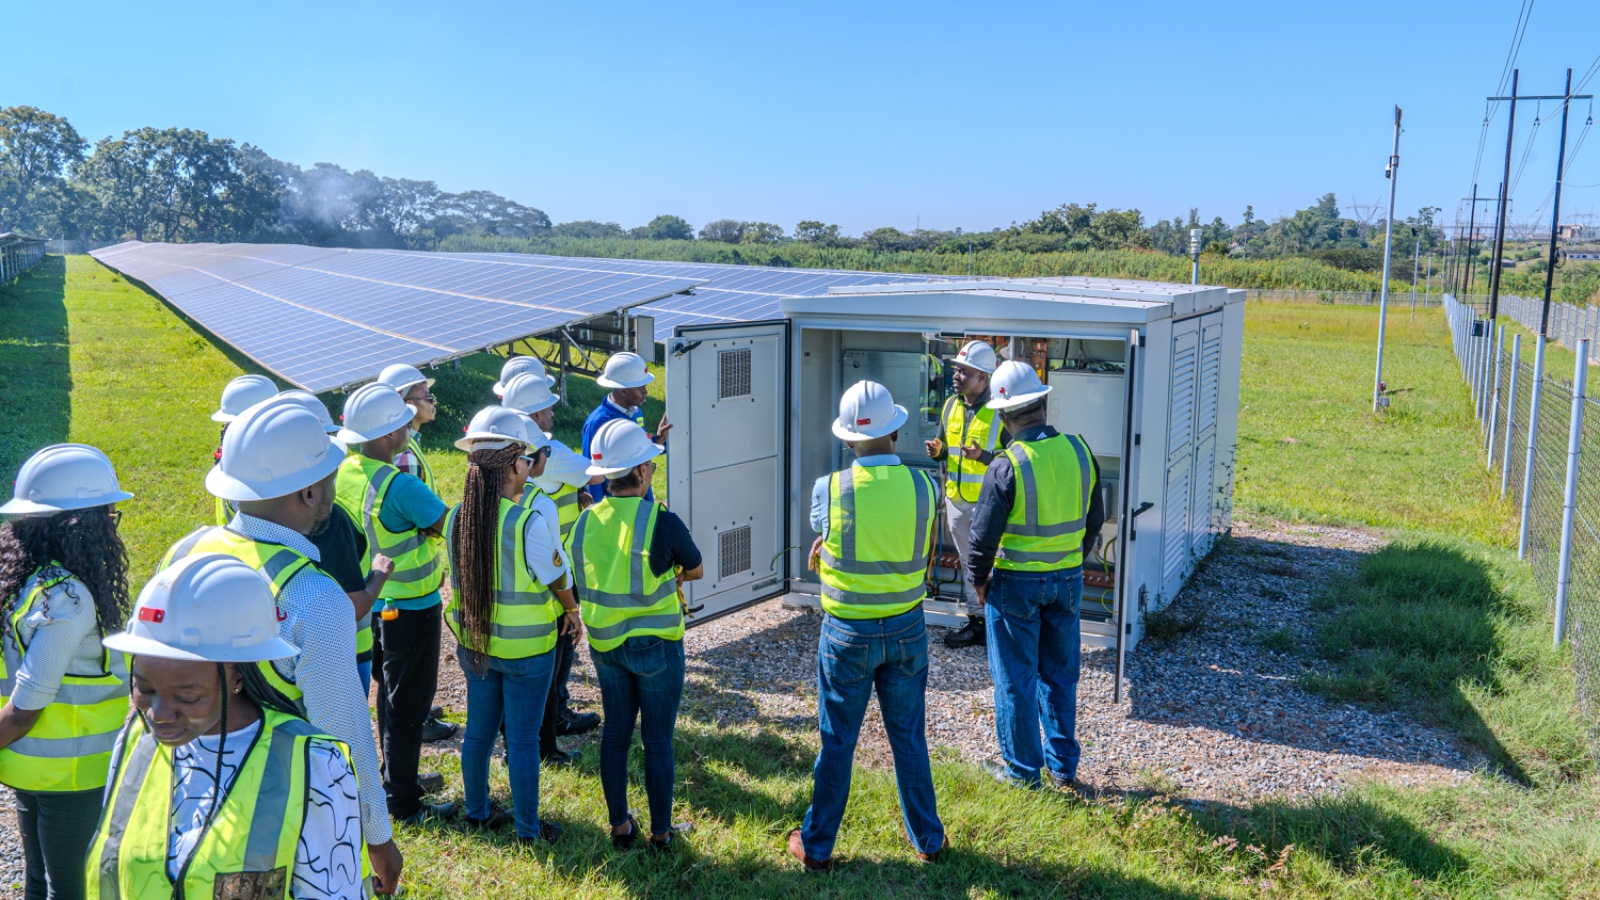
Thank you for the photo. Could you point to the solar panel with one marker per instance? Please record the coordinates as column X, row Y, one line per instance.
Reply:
column 735, row 293
column 330, row 318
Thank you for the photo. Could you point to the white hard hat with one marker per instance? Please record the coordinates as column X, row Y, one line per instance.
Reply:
column 518, row 365
column 977, row 355
column 401, row 377
column 494, row 428
column 618, row 446
column 242, row 393
column 62, row 477
column 538, row 438
column 273, row 450
column 209, row 607
column 311, row 403
column 372, row 412
column 867, row 411
column 1015, row 384
column 625, row 370
column 529, row 393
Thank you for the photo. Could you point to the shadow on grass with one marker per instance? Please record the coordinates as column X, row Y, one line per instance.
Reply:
column 35, row 362
column 1417, row 622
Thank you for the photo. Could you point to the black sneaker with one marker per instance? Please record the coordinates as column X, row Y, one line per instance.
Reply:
column 436, row 712
column 577, row 723
column 430, row 812
column 973, row 634
column 499, row 817
column 435, row 730
column 629, row 840
column 430, row 782
column 559, row 759
column 662, row 843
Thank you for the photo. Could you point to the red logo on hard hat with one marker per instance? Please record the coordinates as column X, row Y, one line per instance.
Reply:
column 282, row 616
column 597, row 456
column 1002, row 390
column 151, row 614
column 863, row 421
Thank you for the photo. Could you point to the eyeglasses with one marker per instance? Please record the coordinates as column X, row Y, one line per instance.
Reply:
column 115, row 516
column 535, row 456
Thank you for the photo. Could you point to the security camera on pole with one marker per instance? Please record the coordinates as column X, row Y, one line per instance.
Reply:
column 1392, row 172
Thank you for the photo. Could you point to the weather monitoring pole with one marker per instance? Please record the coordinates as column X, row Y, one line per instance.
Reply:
column 1393, row 174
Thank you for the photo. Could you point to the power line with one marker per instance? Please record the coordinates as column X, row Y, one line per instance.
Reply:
column 1526, row 152
column 1518, row 32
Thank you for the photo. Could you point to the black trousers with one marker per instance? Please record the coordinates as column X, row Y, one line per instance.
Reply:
column 556, row 700
column 57, row 828
column 405, row 669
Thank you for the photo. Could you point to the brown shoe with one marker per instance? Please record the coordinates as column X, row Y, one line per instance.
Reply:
column 933, row 857
column 797, row 849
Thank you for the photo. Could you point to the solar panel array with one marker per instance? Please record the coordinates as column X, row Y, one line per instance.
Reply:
column 326, row 318
column 734, row 293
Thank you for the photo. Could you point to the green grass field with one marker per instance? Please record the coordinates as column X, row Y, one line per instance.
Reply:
column 1444, row 624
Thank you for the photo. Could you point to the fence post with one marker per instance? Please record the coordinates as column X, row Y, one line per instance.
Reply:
column 1511, row 413
column 1533, row 445
column 1569, row 506
column 1494, row 404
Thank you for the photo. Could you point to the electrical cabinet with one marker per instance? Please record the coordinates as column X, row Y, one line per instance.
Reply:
column 1147, row 373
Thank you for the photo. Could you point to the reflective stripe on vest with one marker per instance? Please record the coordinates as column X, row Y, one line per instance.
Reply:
column 276, row 562
column 1054, row 481
column 415, row 446
column 565, row 498
column 524, row 620
column 875, row 557
column 69, row 746
column 248, row 850
column 360, row 487
column 619, row 595
column 223, row 511
column 964, row 477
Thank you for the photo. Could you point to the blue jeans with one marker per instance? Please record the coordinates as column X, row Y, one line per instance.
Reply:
column 508, row 691
column 364, row 671
column 854, row 656
column 1034, row 652
column 641, row 678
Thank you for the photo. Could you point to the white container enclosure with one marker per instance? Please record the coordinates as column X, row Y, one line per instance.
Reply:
column 1147, row 373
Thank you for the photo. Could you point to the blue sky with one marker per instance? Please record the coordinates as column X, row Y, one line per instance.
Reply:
column 863, row 114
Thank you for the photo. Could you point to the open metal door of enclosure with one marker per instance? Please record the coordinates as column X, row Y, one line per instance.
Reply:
column 727, row 473
column 1126, row 513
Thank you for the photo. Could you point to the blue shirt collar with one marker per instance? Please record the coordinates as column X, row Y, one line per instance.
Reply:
column 881, row 459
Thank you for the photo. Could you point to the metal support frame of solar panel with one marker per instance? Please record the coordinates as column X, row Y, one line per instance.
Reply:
column 326, row 319
column 735, row 293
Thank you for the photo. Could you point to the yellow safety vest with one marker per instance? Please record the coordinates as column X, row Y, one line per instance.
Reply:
column 360, row 488
column 565, row 498
column 224, row 510
column 619, row 596
column 276, row 563
column 415, row 447
column 1045, row 529
column 525, row 611
column 964, row 477
column 880, row 534
column 69, row 746
column 248, row 851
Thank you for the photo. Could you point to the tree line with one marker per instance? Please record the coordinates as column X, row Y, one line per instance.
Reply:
column 180, row 184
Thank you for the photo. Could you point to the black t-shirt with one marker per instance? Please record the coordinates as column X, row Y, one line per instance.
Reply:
column 342, row 546
column 671, row 545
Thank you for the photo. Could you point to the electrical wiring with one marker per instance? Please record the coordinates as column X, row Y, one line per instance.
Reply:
column 1527, row 151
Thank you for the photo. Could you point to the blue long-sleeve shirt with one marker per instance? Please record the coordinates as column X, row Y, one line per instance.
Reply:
column 606, row 412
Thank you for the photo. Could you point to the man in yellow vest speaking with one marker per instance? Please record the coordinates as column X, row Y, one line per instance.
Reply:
column 876, row 521
column 403, row 520
column 968, row 439
column 1039, row 499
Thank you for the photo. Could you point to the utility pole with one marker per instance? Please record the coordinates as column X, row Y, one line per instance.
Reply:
column 1194, row 254
column 1416, row 269
column 1393, row 174
column 1566, row 101
column 1500, row 224
column 1555, row 213
column 1464, row 265
column 1427, row 295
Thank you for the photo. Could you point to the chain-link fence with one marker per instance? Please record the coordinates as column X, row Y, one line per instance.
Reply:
column 1545, row 420
column 1397, row 299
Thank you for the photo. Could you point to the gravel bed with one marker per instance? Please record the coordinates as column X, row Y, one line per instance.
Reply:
column 1209, row 713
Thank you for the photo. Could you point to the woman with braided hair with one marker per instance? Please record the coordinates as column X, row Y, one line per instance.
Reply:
column 510, row 598
column 218, row 788
column 64, row 586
